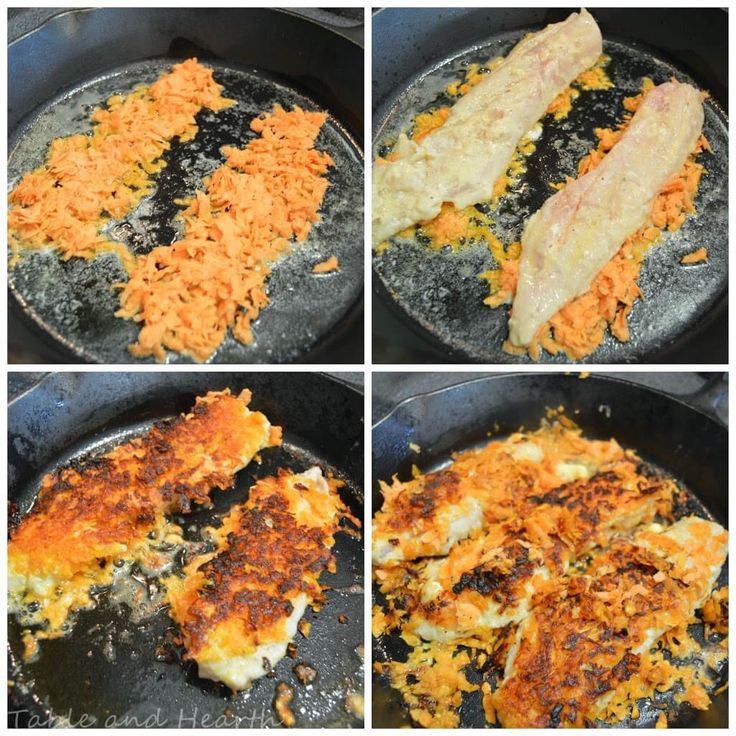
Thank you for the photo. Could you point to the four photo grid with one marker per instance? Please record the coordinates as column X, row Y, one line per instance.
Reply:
column 367, row 367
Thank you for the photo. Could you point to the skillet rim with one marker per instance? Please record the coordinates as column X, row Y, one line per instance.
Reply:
column 284, row 11
column 597, row 376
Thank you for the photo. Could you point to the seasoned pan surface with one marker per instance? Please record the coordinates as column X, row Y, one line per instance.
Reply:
column 74, row 302
column 118, row 666
column 667, row 433
column 441, row 295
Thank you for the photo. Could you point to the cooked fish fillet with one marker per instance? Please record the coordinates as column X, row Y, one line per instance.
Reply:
column 584, row 639
column 425, row 519
column 426, row 516
column 488, row 582
column 89, row 515
column 461, row 161
column 579, row 229
column 238, row 607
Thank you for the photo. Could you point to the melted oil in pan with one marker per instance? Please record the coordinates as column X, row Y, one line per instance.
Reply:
column 441, row 294
column 74, row 301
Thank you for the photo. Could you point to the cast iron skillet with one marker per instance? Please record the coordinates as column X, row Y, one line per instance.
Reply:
column 112, row 667
column 440, row 295
column 75, row 61
column 688, row 444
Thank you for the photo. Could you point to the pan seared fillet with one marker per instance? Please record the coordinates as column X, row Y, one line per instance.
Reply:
column 110, row 508
column 579, row 229
column 582, row 640
column 238, row 607
column 426, row 516
column 489, row 582
column 461, row 161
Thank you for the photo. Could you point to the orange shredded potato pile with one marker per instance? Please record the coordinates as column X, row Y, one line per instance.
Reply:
column 329, row 264
column 427, row 122
column 471, row 76
column 438, row 684
column 188, row 294
column 697, row 256
column 89, row 180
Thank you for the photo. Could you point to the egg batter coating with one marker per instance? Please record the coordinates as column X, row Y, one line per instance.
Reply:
column 578, row 230
column 461, row 161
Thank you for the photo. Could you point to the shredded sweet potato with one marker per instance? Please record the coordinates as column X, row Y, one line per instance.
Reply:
column 427, row 122
column 437, row 678
column 186, row 295
column 329, row 264
column 89, row 180
column 535, row 465
column 471, row 76
column 697, row 256
column 591, row 79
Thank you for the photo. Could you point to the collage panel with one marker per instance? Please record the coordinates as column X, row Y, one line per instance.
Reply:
column 549, row 550
column 190, row 212
column 550, row 185
column 185, row 185
column 185, row 550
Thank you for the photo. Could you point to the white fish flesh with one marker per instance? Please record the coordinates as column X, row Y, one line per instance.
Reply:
column 461, row 161
column 578, row 230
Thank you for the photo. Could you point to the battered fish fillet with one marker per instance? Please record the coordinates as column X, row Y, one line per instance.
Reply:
column 238, row 607
column 489, row 582
column 461, row 161
column 426, row 516
column 581, row 641
column 111, row 508
column 579, row 229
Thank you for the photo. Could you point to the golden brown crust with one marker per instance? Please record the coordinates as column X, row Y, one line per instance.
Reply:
column 94, row 509
column 552, row 530
column 268, row 560
column 539, row 531
column 421, row 500
column 590, row 635
column 271, row 551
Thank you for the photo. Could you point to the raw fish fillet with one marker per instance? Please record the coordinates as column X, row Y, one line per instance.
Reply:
column 579, row 229
column 461, row 161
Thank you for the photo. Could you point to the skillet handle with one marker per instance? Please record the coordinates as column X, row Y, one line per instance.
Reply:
column 349, row 28
column 711, row 397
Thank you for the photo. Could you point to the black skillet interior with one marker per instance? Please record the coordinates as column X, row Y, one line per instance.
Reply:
column 440, row 294
column 111, row 666
column 666, row 432
column 73, row 303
